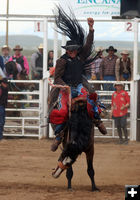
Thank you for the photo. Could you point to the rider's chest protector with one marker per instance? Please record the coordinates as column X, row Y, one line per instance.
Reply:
column 73, row 70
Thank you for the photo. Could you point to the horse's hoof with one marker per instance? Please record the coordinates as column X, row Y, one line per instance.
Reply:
column 95, row 189
column 70, row 190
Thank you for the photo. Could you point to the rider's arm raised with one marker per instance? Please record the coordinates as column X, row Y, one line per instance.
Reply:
column 89, row 41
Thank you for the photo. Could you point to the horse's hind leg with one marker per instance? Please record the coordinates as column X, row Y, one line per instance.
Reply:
column 90, row 170
column 69, row 175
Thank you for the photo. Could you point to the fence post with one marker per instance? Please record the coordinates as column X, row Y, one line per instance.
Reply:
column 134, row 85
column 41, row 110
column 23, row 126
column 55, row 44
column 45, row 81
column 63, row 44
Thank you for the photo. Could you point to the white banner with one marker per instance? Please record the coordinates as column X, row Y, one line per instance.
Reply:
column 98, row 9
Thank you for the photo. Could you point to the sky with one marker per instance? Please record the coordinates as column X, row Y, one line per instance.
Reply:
column 103, row 30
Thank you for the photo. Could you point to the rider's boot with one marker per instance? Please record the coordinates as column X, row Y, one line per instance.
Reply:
column 100, row 126
column 56, row 143
column 59, row 132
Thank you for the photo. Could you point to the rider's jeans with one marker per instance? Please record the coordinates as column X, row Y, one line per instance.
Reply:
column 2, row 120
column 58, row 129
column 76, row 91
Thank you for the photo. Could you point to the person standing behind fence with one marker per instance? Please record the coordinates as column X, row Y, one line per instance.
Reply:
column 1, row 63
column 37, row 63
column 107, row 68
column 3, row 103
column 97, row 62
column 119, row 110
column 5, row 53
column 50, row 59
column 2, row 67
column 20, row 59
column 124, row 67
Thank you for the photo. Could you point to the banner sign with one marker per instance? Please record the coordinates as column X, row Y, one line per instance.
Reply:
column 98, row 9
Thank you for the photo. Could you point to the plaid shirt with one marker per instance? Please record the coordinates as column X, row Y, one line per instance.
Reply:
column 107, row 67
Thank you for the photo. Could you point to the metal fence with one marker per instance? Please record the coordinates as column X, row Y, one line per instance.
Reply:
column 24, row 110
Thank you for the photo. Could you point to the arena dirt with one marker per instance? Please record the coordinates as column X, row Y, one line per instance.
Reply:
column 26, row 166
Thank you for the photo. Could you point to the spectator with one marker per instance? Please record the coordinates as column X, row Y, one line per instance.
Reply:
column 97, row 62
column 5, row 53
column 3, row 103
column 2, row 67
column 50, row 59
column 107, row 67
column 124, row 67
column 92, row 69
column 119, row 109
column 37, row 63
column 20, row 59
column 1, row 63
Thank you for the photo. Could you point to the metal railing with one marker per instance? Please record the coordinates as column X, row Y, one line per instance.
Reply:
column 29, row 110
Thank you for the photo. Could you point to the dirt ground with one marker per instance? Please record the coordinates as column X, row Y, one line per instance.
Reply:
column 26, row 166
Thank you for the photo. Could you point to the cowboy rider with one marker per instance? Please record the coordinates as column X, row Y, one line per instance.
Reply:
column 69, row 71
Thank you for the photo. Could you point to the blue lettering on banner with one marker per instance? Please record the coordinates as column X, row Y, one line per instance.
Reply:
column 98, row 1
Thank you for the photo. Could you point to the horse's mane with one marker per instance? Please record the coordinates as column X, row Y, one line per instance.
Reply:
column 11, row 68
column 10, row 65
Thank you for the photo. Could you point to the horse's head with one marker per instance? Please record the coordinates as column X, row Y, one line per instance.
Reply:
column 11, row 69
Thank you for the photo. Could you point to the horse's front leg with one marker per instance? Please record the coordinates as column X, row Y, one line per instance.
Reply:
column 90, row 170
column 69, row 175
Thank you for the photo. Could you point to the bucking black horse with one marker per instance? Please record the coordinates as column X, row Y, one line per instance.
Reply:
column 78, row 138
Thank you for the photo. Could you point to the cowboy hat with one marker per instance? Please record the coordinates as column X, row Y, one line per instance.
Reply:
column 98, row 49
column 5, row 47
column 118, row 83
column 125, row 52
column 71, row 45
column 40, row 46
column 17, row 47
column 111, row 48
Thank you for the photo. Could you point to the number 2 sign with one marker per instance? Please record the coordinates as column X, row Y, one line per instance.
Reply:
column 128, row 26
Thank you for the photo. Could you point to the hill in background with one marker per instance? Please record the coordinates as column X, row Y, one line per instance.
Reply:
column 32, row 42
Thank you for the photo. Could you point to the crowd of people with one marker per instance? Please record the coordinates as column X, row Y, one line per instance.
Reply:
column 22, row 63
column 110, row 67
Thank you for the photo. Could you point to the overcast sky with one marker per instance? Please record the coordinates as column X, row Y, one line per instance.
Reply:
column 103, row 31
